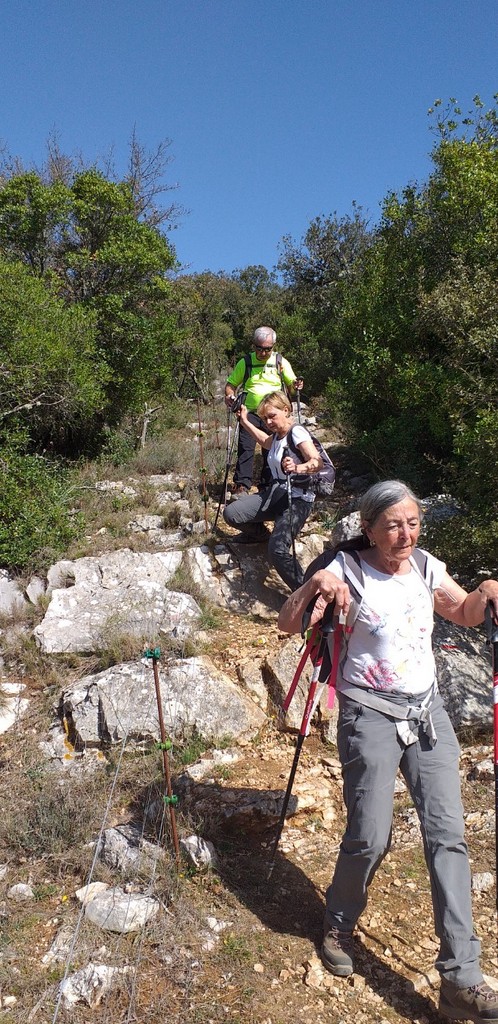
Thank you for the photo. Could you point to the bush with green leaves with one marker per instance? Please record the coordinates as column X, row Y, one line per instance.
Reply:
column 36, row 522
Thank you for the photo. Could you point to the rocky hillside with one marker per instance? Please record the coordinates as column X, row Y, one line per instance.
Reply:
column 104, row 915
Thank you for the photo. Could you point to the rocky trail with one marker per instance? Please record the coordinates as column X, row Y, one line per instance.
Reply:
column 78, row 765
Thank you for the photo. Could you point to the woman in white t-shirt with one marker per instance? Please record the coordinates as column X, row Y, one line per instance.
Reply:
column 251, row 511
column 391, row 716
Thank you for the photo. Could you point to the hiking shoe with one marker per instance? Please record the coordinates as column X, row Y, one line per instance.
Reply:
column 238, row 492
column 337, row 950
column 478, row 1002
column 259, row 537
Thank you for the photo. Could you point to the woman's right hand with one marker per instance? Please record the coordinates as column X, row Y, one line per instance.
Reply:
column 322, row 588
column 330, row 588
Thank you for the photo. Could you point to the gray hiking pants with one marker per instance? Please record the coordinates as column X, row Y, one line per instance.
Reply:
column 267, row 506
column 370, row 753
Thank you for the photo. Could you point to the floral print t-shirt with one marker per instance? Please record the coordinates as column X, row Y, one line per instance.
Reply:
column 390, row 647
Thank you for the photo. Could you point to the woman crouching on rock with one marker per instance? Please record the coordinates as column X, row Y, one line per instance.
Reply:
column 391, row 716
column 250, row 512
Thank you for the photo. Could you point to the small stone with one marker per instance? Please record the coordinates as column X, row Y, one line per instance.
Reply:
column 483, row 881
column 20, row 892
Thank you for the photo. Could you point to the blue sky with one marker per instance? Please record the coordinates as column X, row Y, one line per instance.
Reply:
column 277, row 110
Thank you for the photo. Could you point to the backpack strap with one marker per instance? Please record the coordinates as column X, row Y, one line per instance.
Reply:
column 420, row 563
column 248, row 369
column 353, row 574
column 278, row 364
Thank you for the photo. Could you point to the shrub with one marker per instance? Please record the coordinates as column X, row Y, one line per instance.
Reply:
column 35, row 519
column 48, row 816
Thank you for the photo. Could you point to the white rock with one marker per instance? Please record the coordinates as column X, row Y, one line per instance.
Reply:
column 91, row 984
column 116, row 910
column 20, row 892
column 199, row 852
column 12, row 706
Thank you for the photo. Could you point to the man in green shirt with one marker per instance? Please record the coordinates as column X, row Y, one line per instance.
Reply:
column 260, row 372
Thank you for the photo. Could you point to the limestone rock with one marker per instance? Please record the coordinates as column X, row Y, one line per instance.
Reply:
column 122, row 591
column 120, row 702
column 12, row 705
column 92, row 984
column 199, row 852
column 115, row 910
column 12, row 599
column 123, row 848
column 464, row 675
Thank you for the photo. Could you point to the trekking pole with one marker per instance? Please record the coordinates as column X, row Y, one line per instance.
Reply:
column 230, row 447
column 298, row 400
column 200, row 435
column 312, row 699
column 492, row 633
column 165, row 745
column 287, row 455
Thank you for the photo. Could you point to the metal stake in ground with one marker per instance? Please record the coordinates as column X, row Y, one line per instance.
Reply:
column 492, row 632
column 326, row 627
column 216, row 425
column 165, row 745
column 200, row 435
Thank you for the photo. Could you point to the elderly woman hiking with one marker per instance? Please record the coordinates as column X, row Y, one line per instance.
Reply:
column 391, row 716
column 251, row 511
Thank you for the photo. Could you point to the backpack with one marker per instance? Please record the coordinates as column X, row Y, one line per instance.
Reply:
column 320, row 483
column 278, row 365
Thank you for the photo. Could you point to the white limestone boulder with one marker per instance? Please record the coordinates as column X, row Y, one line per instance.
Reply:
column 119, row 592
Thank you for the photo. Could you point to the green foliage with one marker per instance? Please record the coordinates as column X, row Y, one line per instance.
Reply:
column 35, row 520
column 84, row 235
column 468, row 544
column 51, row 378
column 118, row 445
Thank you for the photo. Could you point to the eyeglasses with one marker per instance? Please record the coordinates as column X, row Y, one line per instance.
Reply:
column 263, row 348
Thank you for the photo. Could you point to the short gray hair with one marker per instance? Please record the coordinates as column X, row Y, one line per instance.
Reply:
column 261, row 334
column 381, row 496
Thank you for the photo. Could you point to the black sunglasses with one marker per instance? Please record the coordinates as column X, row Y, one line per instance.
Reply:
column 263, row 348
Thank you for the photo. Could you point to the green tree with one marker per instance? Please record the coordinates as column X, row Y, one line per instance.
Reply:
column 417, row 365
column 98, row 242
column 52, row 379
column 319, row 273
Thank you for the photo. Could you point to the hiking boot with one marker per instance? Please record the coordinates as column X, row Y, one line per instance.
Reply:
column 337, row 950
column 478, row 1002
column 238, row 492
column 258, row 537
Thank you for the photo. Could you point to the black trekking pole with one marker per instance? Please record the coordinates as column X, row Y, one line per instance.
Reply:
column 236, row 404
column 298, row 400
column 492, row 633
column 287, row 455
column 325, row 628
